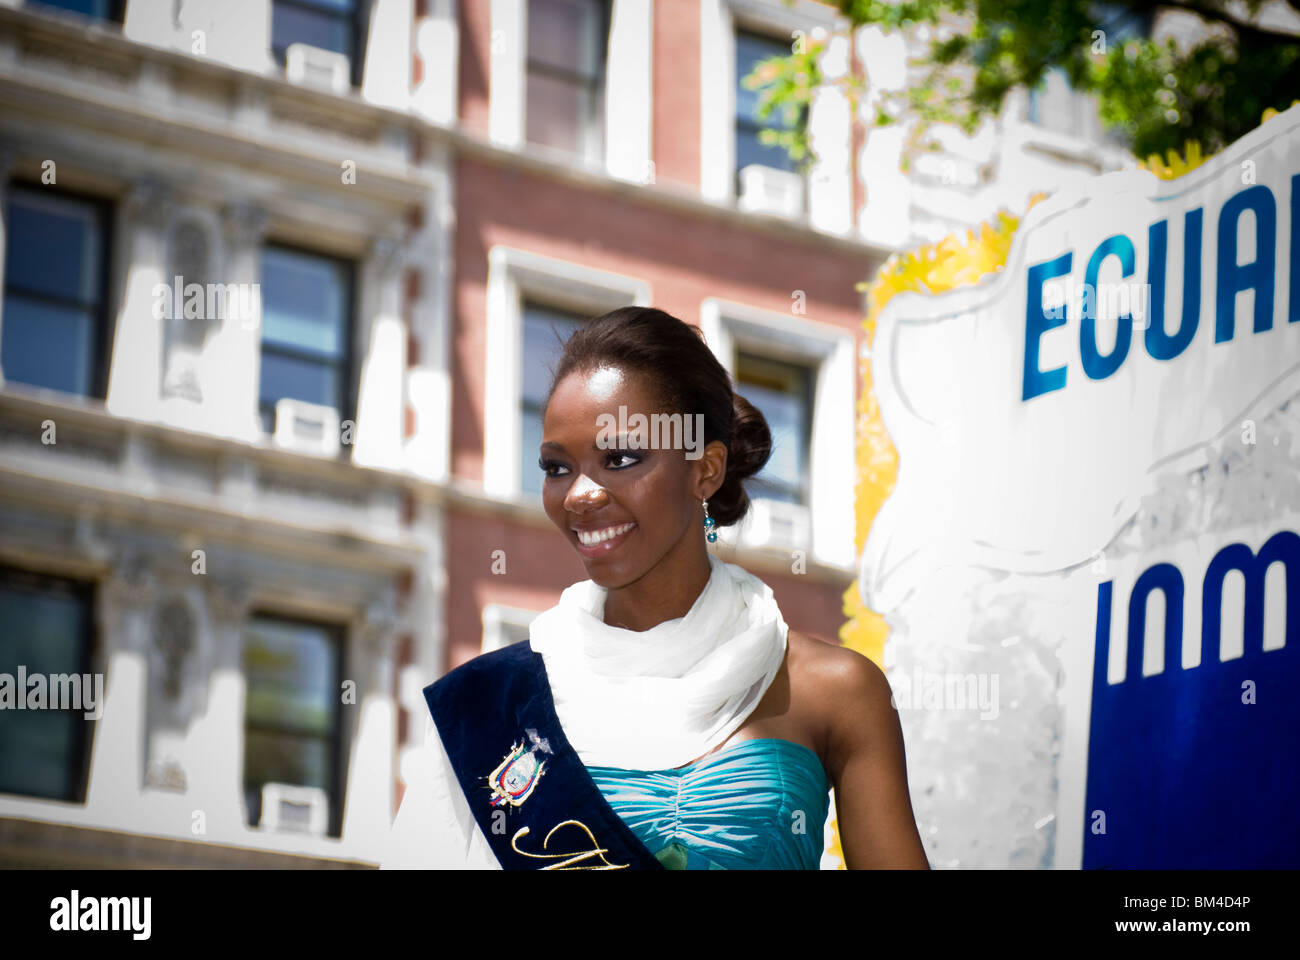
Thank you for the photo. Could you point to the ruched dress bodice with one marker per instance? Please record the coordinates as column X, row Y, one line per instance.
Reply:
column 753, row 805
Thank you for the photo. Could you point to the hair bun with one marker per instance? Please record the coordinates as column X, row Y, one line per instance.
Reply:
column 747, row 454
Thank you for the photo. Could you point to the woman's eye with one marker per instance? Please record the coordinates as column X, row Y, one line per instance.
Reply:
column 551, row 468
column 618, row 459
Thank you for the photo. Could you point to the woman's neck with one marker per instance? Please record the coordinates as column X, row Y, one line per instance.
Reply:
column 665, row 592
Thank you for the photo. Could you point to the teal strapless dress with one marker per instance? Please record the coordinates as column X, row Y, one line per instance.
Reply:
column 754, row 805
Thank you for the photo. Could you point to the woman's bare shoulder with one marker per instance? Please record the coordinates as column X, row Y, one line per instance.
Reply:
column 848, row 694
column 832, row 668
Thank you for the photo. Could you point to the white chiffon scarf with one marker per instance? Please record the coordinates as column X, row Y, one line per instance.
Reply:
column 663, row 697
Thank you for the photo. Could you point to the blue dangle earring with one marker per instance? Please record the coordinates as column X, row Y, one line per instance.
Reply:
column 711, row 535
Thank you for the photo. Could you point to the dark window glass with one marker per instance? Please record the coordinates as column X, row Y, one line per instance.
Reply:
column 541, row 352
column 567, row 42
column 47, row 624
column 751, row 49
column 337, row 25
column 54, row 303
column 292, row 713
column 306, row 323
column 100, row 9
column 783, row 393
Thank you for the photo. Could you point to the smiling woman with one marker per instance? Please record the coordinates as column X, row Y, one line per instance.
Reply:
column 662, row 714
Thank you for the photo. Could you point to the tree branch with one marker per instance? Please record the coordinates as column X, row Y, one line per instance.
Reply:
column 1207, row 11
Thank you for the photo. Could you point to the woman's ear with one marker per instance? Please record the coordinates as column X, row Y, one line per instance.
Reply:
column 711, row 469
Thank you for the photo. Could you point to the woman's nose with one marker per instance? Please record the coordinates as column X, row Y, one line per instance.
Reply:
column 585, row 494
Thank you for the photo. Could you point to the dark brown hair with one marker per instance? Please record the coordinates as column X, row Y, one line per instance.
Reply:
column 687, row 379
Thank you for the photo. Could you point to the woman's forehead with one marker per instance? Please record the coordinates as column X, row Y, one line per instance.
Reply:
column 604, row 385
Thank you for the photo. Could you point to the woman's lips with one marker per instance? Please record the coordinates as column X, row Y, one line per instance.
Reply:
column 607, row 545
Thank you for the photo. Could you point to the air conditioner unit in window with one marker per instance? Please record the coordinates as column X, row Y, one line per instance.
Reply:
column 311, row 66
column 775, row 523
column 769, row 190
column 288, row 808
column 306, row 427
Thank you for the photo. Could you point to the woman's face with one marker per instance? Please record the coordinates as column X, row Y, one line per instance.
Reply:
column 623, row 507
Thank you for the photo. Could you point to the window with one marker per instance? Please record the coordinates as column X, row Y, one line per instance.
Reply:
column 545, row 331
column 751, row 48
column 306, row 331
column 783, row 393
column 802, row 375
column 337, row 25
column 292, row 716
column 48, row 626
column 504, row 625
column 54, row 303
column 565, row 107
column 99, row 9
column 515, row 278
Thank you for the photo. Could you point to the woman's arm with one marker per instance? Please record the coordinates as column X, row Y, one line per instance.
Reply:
column 865, row 749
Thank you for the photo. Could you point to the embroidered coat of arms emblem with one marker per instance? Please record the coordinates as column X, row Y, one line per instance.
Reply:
column 517, row 775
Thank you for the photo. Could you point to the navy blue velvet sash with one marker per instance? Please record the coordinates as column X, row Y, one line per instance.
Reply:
column 496, row 711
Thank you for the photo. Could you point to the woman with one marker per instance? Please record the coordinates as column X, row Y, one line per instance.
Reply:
column 661, row 714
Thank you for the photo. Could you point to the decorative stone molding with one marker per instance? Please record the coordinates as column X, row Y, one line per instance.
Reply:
column 228, row 601
column 175, row 636
column 149, row 202
column 383, row 621
column 244, row 224
column 389, row 255
column 128, row 590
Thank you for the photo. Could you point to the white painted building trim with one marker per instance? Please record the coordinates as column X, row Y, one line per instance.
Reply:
column 830, row 186
column 437, row 38
column 629, row 91
column 511, row 274
column 498, row 619
column 507, row 72
column 386, row 77
column 830, row 351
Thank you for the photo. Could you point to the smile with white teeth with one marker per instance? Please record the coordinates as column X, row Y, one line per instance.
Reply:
column 593, row 537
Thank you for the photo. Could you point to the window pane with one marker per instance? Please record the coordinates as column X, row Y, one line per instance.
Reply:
column 47, row 345
column 542, row 348
column 556, row 112
column 299, row 379
column 291, row 23
column 286, row 758
column 781, row 392
column 750, row 50
column 749, row 150
column 541, row 353
column 531, row 475
column 566, row 34
column 54, row 247
column 44, row 630
column 283, row 758
column 103, row 9
column 291, row 670
column 304, row 301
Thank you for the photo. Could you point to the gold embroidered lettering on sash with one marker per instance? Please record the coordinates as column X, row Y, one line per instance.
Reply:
column 574, row 857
